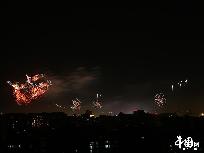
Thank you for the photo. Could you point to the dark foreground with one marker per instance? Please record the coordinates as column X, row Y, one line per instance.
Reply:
column 138, row 132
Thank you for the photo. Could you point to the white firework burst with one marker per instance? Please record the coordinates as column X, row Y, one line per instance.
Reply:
column 160, row 99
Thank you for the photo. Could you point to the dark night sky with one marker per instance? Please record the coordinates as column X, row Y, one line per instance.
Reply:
column 127, row 54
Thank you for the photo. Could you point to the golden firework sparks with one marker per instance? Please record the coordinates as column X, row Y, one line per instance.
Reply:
column 33, row 88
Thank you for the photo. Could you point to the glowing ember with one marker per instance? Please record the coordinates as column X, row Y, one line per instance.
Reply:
column 33, row 88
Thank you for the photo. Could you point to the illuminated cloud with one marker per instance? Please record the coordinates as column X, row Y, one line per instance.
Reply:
column 73, row 82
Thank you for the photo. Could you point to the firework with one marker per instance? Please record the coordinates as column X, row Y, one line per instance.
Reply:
column 76, row 105
column 183, row 82
column 97, row 103
column 33, row 88
column 160, row 100
column 60, row 106
column 180, row 84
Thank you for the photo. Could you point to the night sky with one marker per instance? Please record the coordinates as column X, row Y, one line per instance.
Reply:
column 126, row 54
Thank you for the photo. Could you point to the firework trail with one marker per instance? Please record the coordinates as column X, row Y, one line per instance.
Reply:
column 76, row 105
column 33, row 88
column 180, row 84
column 172, row 87
column 160, row 100
column 97, row 104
